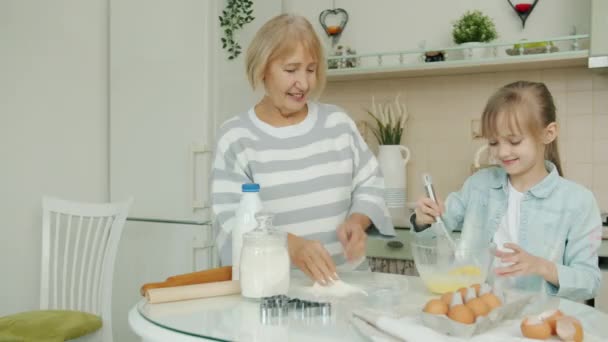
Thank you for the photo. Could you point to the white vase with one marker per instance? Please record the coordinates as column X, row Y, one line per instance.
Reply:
column 393, row 162
column 474, row 50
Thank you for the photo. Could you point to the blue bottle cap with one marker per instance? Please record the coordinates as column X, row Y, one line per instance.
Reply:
column 250, row 187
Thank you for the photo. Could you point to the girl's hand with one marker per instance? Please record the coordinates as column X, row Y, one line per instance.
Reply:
column 312, row 258
column 427, row 210
column 354, row 240
column 524, row 263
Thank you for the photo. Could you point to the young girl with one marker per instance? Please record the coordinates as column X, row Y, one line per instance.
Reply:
column 547, row 228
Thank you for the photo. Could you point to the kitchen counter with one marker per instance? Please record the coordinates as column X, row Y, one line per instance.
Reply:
column 377, row 247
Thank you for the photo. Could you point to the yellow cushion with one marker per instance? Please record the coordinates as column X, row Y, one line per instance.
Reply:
column 47, row 326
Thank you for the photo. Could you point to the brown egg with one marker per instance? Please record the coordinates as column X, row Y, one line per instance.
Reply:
column 477, row 288
column 461, row 313
column 447, row 297
column 478, row 306
column 569, row 329
column 491, row 299
column 436, row 307
column 551, row 316
column 536, row 328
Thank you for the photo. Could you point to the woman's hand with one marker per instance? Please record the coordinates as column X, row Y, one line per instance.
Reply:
column 312, row 258
column 524, row 263
column 427, row 210
column 353, row 238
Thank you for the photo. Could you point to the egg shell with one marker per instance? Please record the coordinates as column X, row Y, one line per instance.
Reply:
column 479, row 307
column 447, row 297
column 492, row 300
column 436, row 307
column 456, row 299
column 461, row 313
column 551, row 316
column 485, row 288
column 463, row 292
column 477, row 288
column 470, row 294
column 536, row 328
column 569, row 329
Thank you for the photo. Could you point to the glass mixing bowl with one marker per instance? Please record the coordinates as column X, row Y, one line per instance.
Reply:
column 443, row 270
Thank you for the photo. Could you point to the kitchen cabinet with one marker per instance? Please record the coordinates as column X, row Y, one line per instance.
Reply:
column 598, row 54
column 393, row 257
column 160, row 126
column 166, row 98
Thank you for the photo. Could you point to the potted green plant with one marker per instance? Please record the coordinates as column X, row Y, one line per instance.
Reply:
column 473, row 29
column 389, row 122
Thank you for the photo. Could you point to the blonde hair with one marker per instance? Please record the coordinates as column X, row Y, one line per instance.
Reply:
column 277, row 38
column 527, row 103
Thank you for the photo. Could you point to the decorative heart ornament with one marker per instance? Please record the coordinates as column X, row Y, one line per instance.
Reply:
column 523, row 10
column 333, row 22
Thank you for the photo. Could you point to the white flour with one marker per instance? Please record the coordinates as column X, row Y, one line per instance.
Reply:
column 337, row 289
column 264, row 273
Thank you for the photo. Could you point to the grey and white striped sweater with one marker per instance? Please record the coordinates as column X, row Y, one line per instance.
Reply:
column 312, row 176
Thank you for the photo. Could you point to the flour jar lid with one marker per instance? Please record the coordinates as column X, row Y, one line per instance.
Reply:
column 270, row 237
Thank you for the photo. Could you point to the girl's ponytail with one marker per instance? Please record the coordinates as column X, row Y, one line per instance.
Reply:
column 552, row 155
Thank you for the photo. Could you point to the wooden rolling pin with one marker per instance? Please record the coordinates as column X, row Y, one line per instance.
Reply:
column 200, row 277
column 187, row 292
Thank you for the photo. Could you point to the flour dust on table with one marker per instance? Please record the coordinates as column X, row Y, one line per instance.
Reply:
column 339, row 288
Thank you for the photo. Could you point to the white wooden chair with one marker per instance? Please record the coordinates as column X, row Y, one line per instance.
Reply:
column 79, row 246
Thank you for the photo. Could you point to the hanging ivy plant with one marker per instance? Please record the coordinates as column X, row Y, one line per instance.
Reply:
column 236, row 14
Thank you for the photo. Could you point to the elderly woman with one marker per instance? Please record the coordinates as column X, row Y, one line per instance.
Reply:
column 316, row 173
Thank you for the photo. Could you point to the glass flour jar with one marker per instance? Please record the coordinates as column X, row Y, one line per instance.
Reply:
column 264, row 264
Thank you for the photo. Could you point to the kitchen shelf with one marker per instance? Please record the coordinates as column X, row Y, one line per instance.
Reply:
column 382, row 70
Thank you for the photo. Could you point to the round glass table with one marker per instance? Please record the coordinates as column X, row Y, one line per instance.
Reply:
column 234, row 318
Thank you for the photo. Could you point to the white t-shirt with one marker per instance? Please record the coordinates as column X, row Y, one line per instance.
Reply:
column 508, row 230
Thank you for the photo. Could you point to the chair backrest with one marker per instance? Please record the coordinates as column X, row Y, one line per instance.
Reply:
column 79, row 246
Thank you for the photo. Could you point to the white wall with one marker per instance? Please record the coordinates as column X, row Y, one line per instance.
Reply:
column 394, row 25
column 233, row 92
column 53, row 126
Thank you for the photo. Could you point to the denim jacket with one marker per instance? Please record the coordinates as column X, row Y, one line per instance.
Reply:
column 559, row 221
